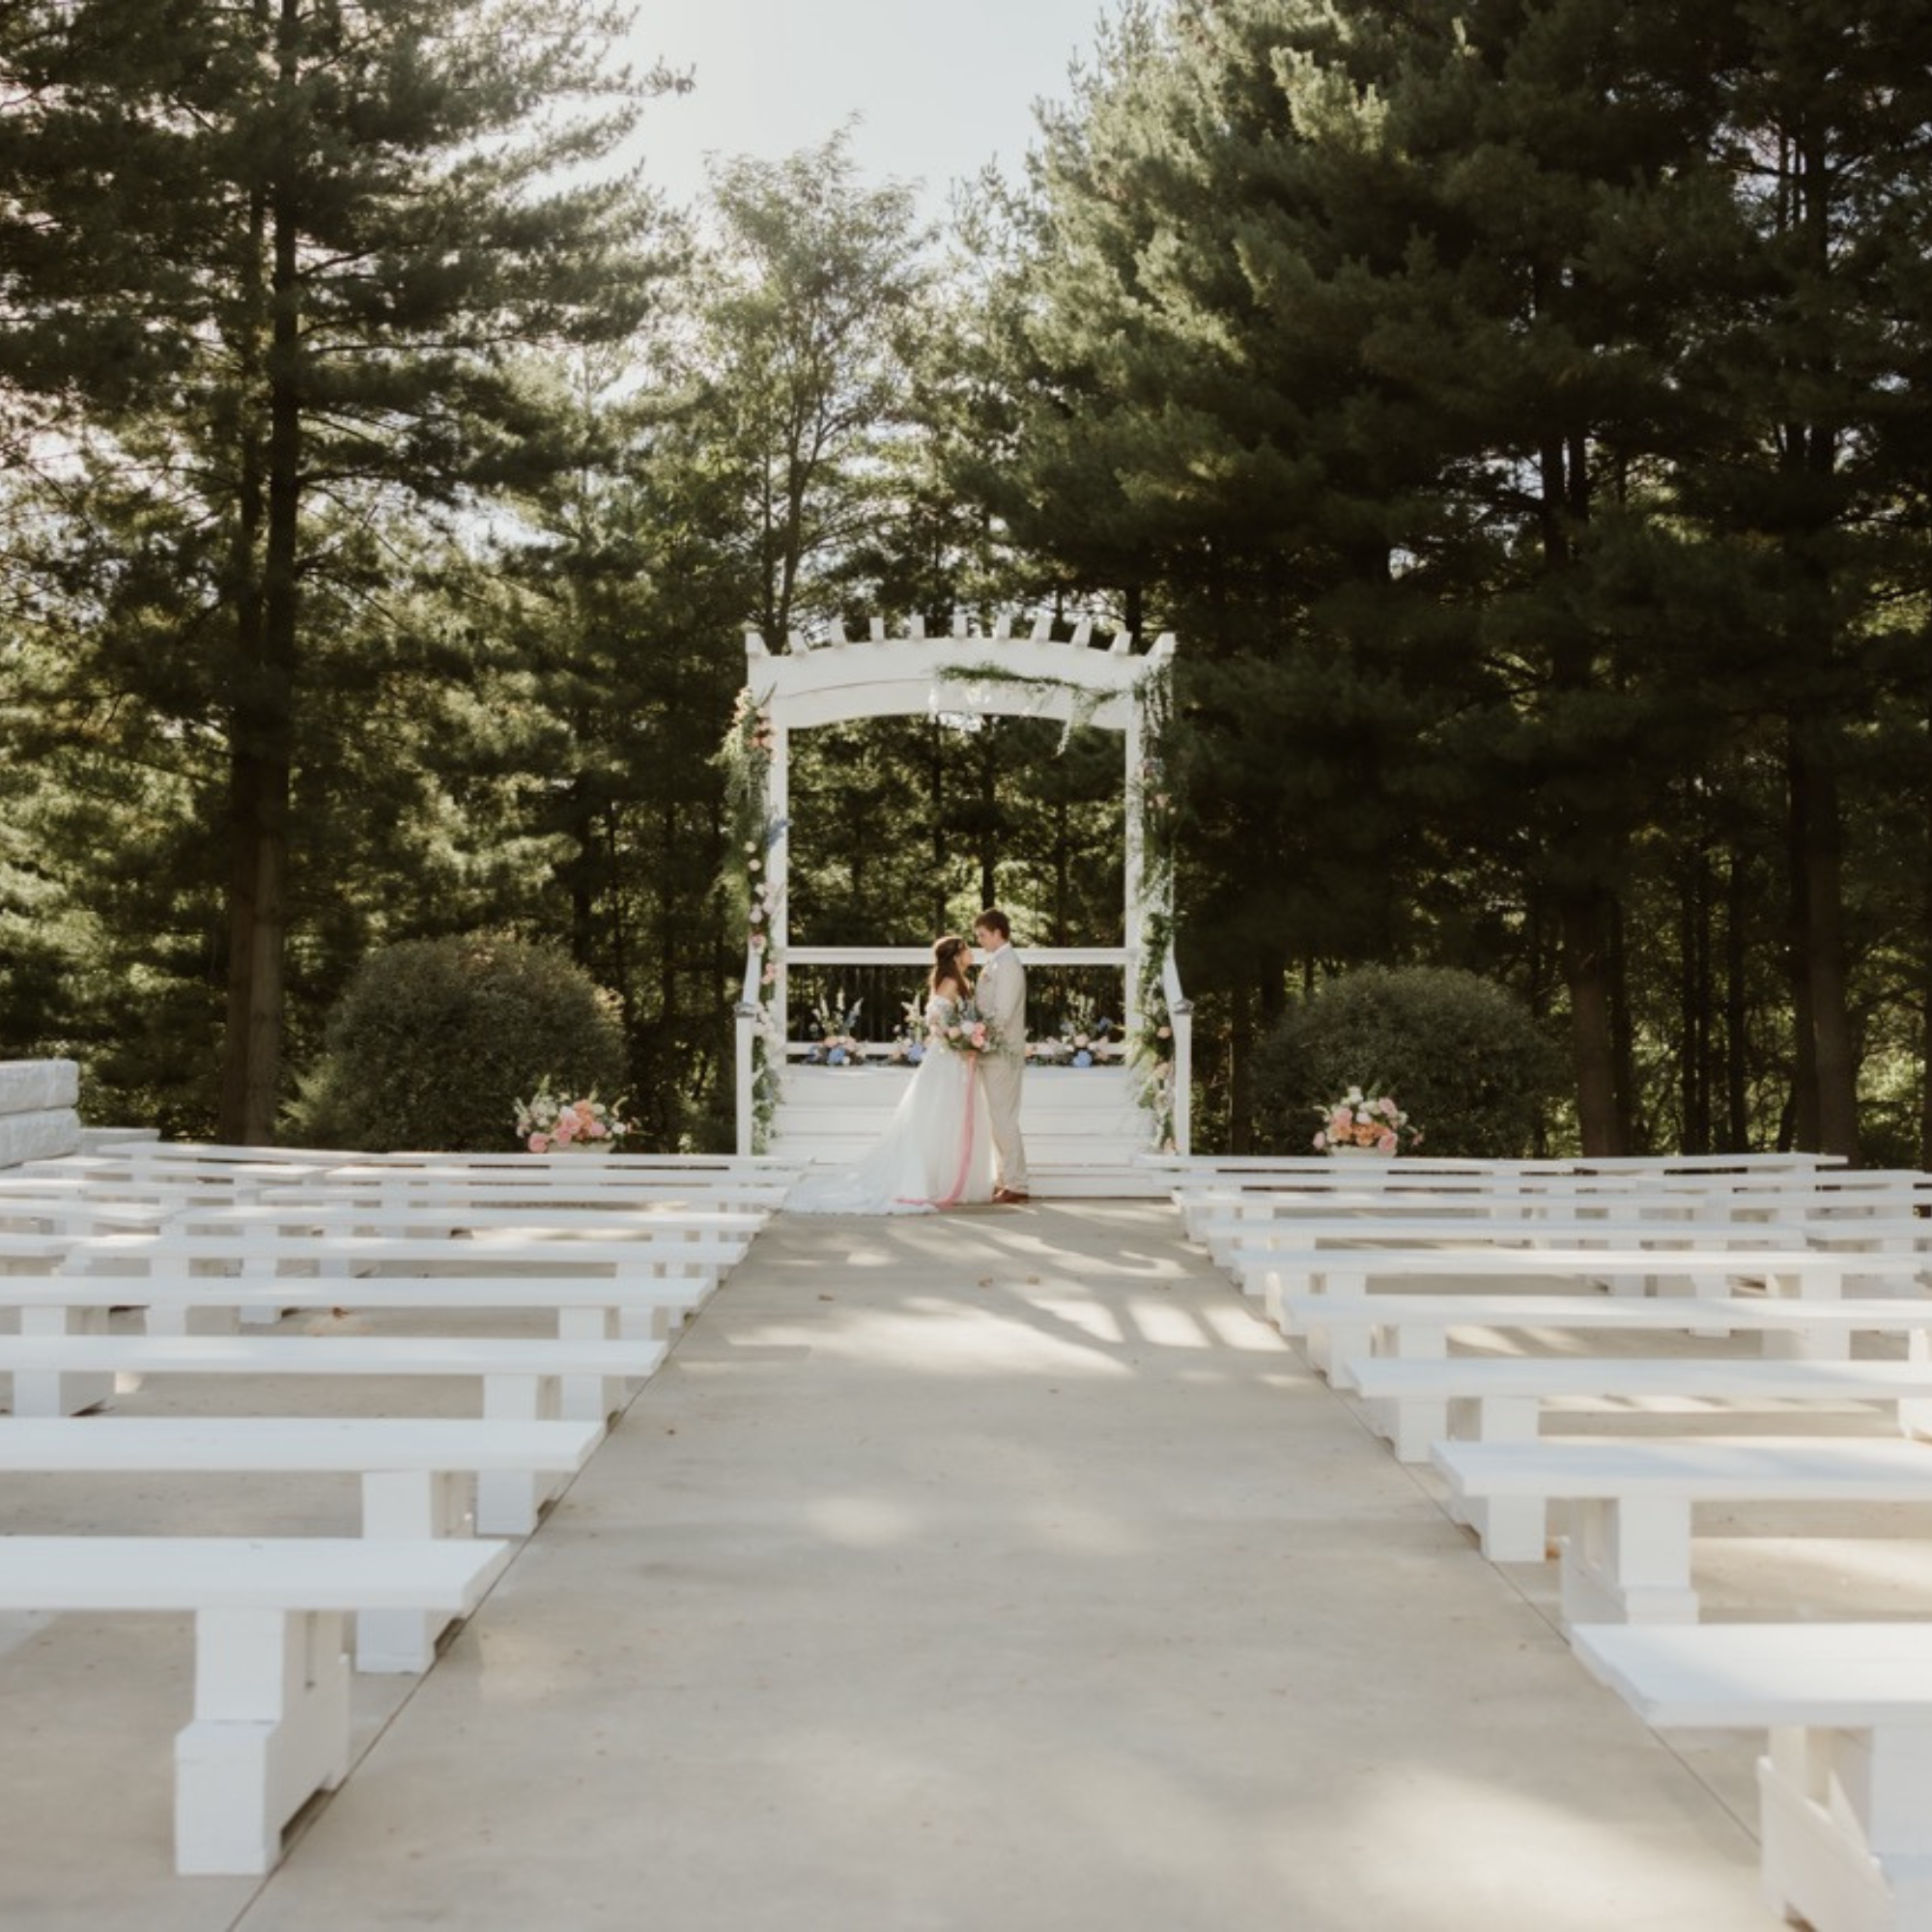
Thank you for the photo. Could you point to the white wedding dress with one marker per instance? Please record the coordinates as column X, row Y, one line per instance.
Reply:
column 936, row 1151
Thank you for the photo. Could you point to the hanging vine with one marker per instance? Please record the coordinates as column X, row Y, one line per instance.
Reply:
column 1083, row 702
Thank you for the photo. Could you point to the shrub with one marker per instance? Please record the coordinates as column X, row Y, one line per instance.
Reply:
column 1465, row 1060
column 436, row 1039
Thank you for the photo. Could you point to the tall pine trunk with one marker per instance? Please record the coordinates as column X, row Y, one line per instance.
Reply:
column 262, row 752
column 1587, row 973
column 1737, row 1089
column 1827, row 1106
column 1582, row 909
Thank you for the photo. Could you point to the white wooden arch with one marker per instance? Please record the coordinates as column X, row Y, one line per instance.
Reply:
column 839, row 680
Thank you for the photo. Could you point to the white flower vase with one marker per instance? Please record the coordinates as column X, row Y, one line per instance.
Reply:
column 1350, row 1151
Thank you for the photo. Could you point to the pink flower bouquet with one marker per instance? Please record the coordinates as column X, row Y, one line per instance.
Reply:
column 1365, row 1121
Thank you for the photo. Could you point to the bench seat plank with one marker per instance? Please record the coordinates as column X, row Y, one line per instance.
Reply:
column 1338, row 1331
column 1411, row 1400
column 190, row 1573
column 290, row 1444
column 584, row 1308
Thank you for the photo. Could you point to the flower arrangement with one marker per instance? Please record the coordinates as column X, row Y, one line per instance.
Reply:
column 1085, row 1038
column 1365, row 1121
column 830, row 1032
column 907, row 1047
column 547, row 1124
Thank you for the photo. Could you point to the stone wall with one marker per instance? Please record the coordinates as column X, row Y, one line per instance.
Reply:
column 37, row 1109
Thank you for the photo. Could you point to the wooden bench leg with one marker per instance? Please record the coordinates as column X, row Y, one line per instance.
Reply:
column 270, row 1728
column 407, row 1503
column 1410, row 1423
column 1846, row 1823
column 48, row 1392
column 589, row 1397
column 1809, row 1345
column 1627, row 1560
column 647, row 1324
column 507, row 1500
column 1514, row 1529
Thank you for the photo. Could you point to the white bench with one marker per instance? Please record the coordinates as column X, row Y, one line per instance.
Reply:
column 1419, row 1402
column 1417, row 1325
column 1627, row 1558
column 416, row 1478
column 591, row 1183
column 270, row 1723
column 661, row 1248
column 73, row 1212
column 586, row 1308
column 526, row 1379
column 485, row 1222
column 569, row 1164
column 1845, row 1789
column 695, row 1261
column 1254, row 1249
column 1810, row 1277
column 29, row 1250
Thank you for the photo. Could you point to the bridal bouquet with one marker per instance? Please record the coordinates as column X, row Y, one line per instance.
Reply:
column 969, row 1031
column 1365, row 1121
column 547, row 1124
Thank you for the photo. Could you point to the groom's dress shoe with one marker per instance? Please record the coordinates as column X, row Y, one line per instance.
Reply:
column 1011, row 1196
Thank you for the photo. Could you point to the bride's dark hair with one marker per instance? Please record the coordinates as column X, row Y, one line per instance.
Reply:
column 951, row 959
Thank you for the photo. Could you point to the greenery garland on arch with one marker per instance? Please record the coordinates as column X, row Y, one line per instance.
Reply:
column 751, row 901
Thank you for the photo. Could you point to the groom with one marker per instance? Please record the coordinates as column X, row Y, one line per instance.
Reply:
column 1001, row 995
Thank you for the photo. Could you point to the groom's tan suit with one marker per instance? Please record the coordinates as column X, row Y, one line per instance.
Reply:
column 1001, row 996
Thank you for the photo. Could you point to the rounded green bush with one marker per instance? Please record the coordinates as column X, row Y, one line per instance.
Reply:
column 1460, row 1055
column 436, row 1039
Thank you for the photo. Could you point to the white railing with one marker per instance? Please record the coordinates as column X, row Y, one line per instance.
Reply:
column 748, row 1012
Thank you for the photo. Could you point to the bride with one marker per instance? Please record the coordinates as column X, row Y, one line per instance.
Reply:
column 937, row 1149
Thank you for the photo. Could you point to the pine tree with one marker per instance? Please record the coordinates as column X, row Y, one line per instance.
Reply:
column 280, row 250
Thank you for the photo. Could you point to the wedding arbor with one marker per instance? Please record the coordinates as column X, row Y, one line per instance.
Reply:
column 1082, row 1118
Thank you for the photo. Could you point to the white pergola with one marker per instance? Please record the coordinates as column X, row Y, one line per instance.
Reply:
column 975, row 674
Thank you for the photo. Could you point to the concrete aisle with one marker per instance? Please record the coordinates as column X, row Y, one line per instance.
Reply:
column 985, row 1574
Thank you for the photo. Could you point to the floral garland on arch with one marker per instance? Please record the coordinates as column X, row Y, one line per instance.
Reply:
column 1151, row 1051
column 750, row 896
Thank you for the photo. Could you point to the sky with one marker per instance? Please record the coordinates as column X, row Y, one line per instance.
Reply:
column 939, row 87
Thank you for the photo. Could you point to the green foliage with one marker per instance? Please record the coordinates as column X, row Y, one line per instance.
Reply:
column 1462, row 1057
column 435, row 1040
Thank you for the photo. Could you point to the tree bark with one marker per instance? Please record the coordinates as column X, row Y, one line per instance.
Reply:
column 1817, row 856
column 1240, row 1077
column 261, row 757
column 1586, row 971
column 1737, row 1090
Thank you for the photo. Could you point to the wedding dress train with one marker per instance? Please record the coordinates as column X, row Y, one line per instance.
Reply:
column 936, row 1151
